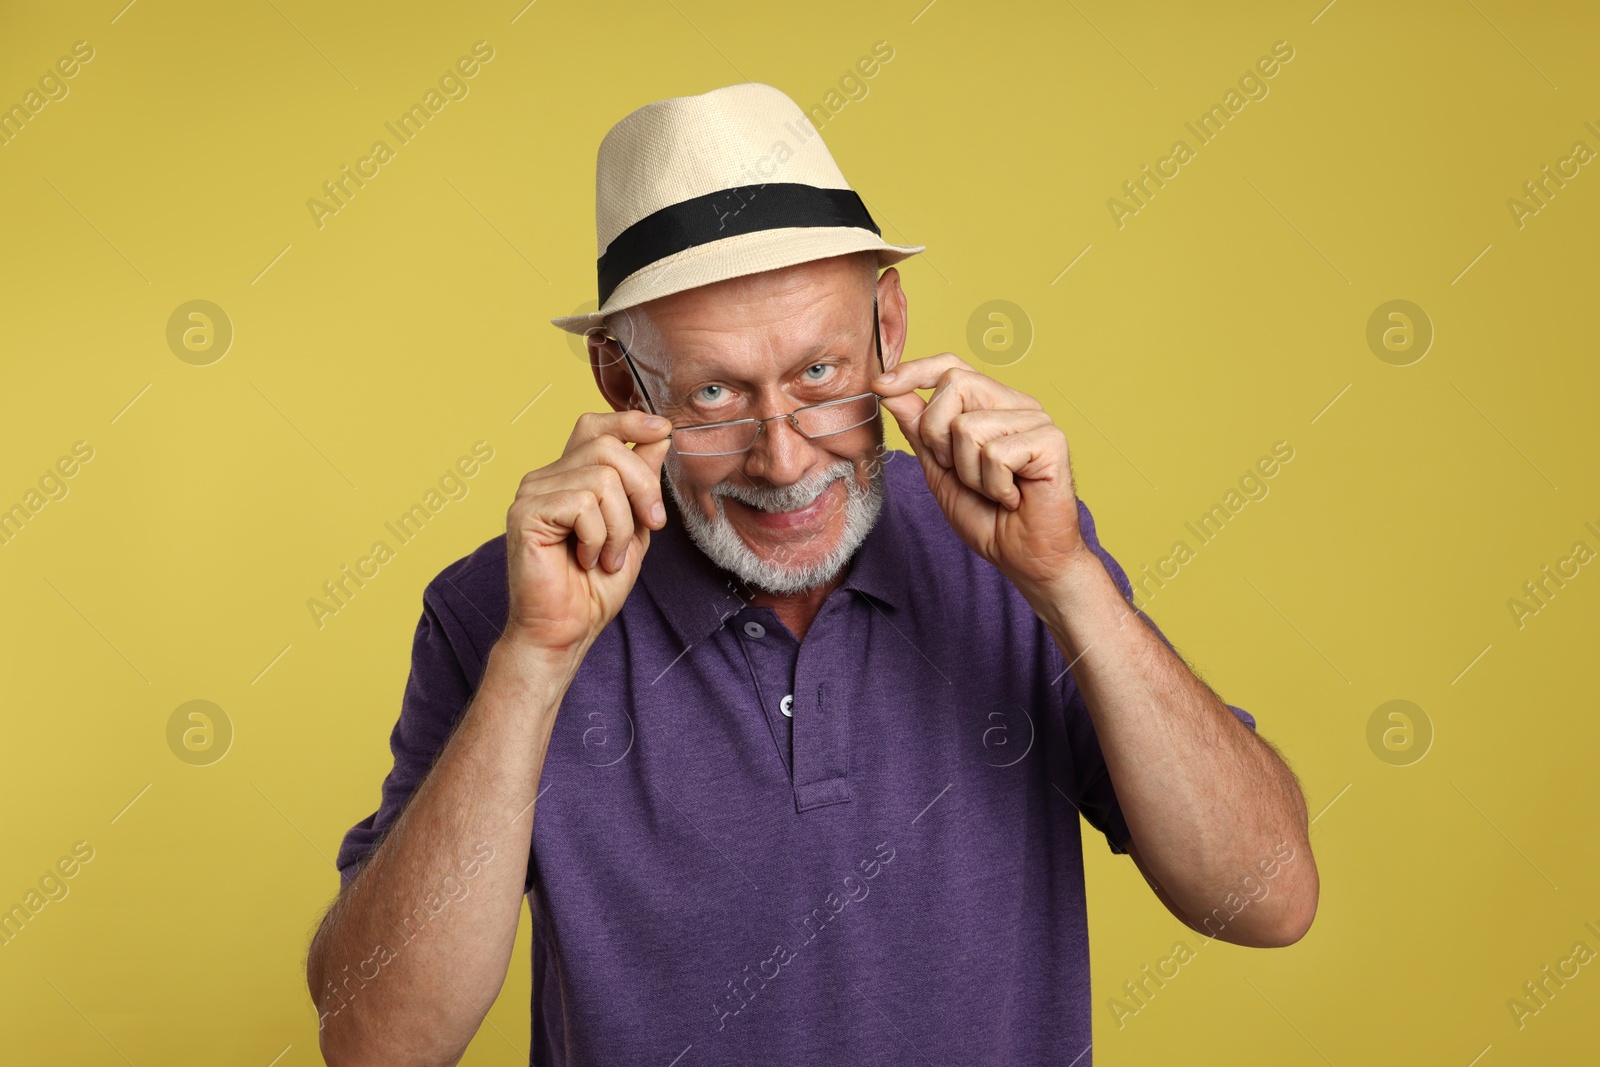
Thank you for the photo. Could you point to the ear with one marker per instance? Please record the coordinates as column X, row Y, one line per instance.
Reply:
column 892, row 319
column 611, row 373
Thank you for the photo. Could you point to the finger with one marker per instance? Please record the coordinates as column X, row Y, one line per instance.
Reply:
column 1025, row 457
column 565, row 512
column 631, row 425
column 970, row 431
column 953, row 394
column 961, row 390
column 930, row 372
column 640, row 472
column 996, row 480
column 616, row 509
column 654, row 454
column 916, row 374
column 589, row 526
column 906, row 410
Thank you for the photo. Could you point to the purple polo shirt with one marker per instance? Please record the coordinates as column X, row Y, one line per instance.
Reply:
column 890, row 873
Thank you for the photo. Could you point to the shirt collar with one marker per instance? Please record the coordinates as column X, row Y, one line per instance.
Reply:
column 697, row 596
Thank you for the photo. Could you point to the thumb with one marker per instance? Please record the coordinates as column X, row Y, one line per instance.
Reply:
column 654, row 453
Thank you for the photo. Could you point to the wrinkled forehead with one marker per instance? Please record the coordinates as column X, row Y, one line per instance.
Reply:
column 747, row 341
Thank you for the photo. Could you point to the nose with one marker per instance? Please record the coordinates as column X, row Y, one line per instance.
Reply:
column 781, row 454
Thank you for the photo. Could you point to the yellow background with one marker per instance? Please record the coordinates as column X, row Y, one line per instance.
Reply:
column 1226, row 315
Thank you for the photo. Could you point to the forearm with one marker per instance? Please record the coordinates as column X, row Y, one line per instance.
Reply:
column 440, row 952
column 1205, row 800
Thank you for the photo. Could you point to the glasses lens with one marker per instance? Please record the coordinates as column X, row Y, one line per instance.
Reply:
column 714, row 440
column 838, row 416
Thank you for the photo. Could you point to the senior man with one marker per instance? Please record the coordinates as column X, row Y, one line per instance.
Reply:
column 784, row 735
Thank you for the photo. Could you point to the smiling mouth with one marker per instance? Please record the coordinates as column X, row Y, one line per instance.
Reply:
column 802, row 516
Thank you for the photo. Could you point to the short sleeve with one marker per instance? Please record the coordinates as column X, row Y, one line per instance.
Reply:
column 1097, row 798
column 436, row 696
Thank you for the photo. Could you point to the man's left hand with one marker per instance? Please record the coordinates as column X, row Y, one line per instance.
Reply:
column 996, row 463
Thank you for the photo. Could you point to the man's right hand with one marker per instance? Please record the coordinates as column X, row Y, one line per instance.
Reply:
column 579, row 528
column 575, row 536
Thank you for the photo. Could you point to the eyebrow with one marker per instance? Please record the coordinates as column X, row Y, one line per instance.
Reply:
column 806, row 358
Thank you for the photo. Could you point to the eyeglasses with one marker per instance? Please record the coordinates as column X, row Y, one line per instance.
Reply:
column 740, row 435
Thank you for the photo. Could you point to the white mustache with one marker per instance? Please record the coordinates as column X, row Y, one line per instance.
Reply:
column 784, row 498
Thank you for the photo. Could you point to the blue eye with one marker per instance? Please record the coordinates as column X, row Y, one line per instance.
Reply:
column 814, row 366
column 703, row 392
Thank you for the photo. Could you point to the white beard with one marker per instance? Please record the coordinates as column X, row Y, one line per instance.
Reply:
column 723, row 546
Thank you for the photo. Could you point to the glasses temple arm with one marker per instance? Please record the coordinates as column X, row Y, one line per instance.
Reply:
column 642, row 391
column 877, row 335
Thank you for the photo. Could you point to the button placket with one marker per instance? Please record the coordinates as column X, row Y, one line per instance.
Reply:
column 821, row 745
column 771, row 659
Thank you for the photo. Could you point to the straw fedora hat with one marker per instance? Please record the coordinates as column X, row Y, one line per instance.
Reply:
column 698, row 189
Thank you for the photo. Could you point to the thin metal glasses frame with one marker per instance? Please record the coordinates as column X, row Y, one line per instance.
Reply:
column 761, row 424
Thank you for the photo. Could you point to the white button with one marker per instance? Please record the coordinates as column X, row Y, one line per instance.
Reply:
column 755, row 629
column 786, row 705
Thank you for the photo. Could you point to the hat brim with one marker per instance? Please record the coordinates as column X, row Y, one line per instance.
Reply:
column 734, row 257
